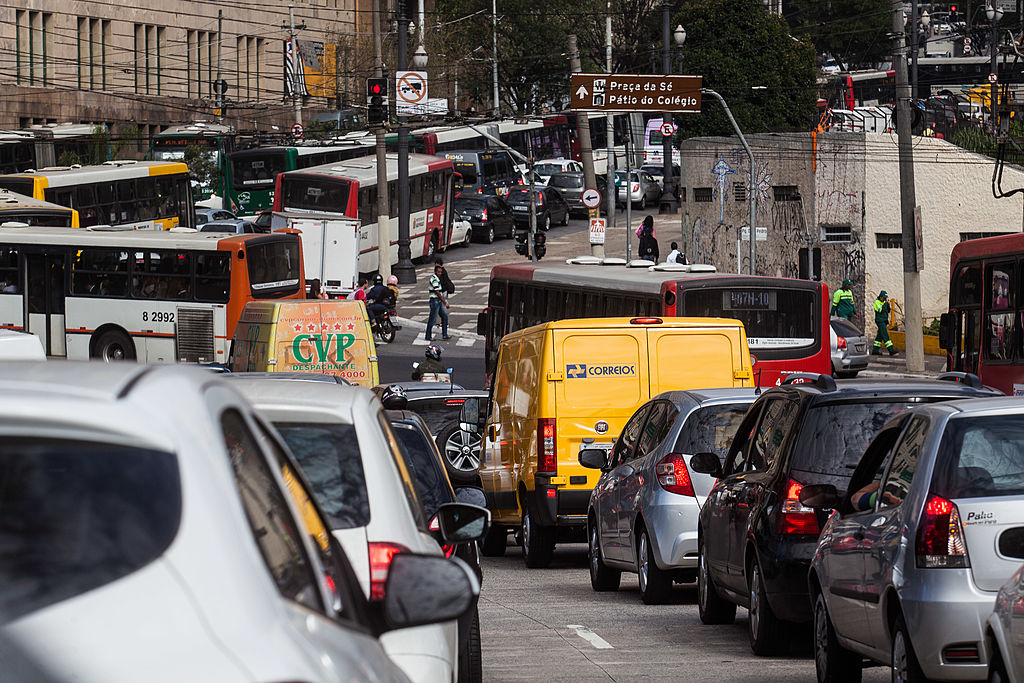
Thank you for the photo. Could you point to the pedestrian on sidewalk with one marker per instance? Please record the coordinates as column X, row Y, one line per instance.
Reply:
column 438, row 303
column 675, row 256
column 842, row 302
column 882, row 309
column 648, row 242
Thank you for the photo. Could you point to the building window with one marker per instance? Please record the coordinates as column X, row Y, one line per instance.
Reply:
column 888, row 240
column 32, row 33
column 836, row 233
column 702, row 194
column 247, row 77
column 93, row 36
column 786, row 193
column 964, row 236
column 739, row 191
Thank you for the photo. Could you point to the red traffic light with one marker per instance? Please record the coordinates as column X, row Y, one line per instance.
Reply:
column 952, row 8
column 375, row 89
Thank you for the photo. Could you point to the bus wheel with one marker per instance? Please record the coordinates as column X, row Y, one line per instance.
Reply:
column 113, row 345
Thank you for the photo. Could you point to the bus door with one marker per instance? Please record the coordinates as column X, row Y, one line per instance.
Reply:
column 45, row 281
column 448, row 219
column 966, row 335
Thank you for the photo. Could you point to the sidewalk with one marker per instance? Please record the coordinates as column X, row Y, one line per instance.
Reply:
column 896, row 366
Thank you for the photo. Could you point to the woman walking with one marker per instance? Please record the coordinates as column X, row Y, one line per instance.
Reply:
column 648, row 242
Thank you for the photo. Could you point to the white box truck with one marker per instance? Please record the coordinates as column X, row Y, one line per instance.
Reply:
column 330, row 249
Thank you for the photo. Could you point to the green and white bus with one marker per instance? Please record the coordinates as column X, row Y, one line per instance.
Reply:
column 215, row 140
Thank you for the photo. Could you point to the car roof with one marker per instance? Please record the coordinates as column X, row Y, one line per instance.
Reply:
column 978, row 407
column 709, row 396
column 300, row 394
column 856, row 389
column 413, row 386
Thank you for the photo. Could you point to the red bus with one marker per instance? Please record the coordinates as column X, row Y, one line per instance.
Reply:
column 983, row 332
column 787, row 321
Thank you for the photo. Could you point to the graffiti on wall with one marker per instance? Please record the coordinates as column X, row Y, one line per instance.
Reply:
column 721, row 171
column 838, row 206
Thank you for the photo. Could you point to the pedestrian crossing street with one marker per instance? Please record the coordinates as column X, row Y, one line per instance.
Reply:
column 471, row 278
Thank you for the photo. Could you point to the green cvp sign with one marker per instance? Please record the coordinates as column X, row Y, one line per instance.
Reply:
column 322, row 346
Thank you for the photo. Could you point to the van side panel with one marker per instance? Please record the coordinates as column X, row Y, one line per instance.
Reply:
column 696, row 359
column 529, row 383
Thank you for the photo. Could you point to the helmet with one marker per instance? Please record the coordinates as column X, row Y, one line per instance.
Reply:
column 433, row 351
column 379, row 280
column 394, row 397
column 392, row 279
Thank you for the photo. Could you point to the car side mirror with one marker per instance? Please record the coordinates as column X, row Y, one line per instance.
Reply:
column 819, row 496
column 706, row 463
column 470, row 417
column 461, row 523
column 426, row 589
column 593, row 458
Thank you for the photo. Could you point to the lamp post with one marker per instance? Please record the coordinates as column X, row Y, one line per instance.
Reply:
column 994, row 14
column 666, row 204
column 404, row 269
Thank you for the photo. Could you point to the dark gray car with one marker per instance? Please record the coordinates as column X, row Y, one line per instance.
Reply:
column 571, row 185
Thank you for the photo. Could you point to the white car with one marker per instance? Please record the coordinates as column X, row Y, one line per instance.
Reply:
column 545, row 168
column 155, row 528
column 344, row 445
column 462, row 234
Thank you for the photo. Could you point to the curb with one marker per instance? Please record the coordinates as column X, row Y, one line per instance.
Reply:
column 452, row 331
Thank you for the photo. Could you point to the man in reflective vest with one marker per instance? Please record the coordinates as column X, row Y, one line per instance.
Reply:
column 842, row 302
column 882, row 309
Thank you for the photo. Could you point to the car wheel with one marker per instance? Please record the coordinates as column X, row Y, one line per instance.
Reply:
column 763, row 626
column 468, row 239
column 565, row 218
column 495, row 541
column 655, row 583
column 112, row 346
column 489, row 236
column 832, row 662
column 461, row 451
column 643, row 202
column 712, row 607
column 904, row 665
column 547, row 222
column 538, row 541
column 602, row 577
column 471, row 661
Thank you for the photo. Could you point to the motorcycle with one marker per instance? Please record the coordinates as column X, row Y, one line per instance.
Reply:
column 383, row 325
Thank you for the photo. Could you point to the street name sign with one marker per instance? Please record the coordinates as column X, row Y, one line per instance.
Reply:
column 635, row 92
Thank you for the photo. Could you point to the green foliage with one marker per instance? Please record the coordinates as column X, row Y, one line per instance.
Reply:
column 203, row 170
column 852, row 32
column 69, row 158
column 975, row 140
column 318, row 130
column 737, row 47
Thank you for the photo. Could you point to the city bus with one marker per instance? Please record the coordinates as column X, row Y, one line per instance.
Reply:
column 215, row 140
column 145, row 295
column 786, row 321
column 350, row 189
column 983, row 332
column 251, row 173
column 45, row 145
column 136, row 194
column 19, row 209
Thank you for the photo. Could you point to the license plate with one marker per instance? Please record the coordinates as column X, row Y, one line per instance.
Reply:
column 859, row 348
column 520, row 208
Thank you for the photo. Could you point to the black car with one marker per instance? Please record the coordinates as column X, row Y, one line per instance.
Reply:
column 755, row 538
column 489, row 215
column 571, row 186
column 551, row 208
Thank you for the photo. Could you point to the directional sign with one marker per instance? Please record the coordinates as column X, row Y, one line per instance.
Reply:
column 297, row 130
column 591, row 198
column 635, row 92
column 597, row 228
column 411, row 93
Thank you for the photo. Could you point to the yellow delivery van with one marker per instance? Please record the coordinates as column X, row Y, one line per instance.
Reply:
column 563, row 386
column 330, row 337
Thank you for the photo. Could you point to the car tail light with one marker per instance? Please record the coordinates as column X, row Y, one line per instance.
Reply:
column 483, row 216
column 547, row 434
column 794, row 516
column 673, row 475
column 380, row 562
column 540, row 199
column 636, row 187
column 840, row 342
column 449, row 550
column 940, row 538
column 645, row 321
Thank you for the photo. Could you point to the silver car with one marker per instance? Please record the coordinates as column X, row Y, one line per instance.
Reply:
column 642, row 189
column 643, row 512
column 907, row 569
column 1005, row 632
column 850, row 353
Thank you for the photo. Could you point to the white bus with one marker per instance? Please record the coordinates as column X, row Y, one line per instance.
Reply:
column 145, row 295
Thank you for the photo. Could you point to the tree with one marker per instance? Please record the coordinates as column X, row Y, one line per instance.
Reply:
column 203, row 171
column 748, row 56
column 852, row 32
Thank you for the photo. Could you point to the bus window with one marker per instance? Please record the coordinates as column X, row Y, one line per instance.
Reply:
column 367, row 205
column 99, row 272
column 213, row 272
column 496, row 296
column 10, row 282
column 998, row 278
column 468, row 171
column 273, row 268
column 967, row 286
column 162, row 275
column 126, row 200
column 106, row 198
column 316, row 194
column 439, row 179
column 393, row 199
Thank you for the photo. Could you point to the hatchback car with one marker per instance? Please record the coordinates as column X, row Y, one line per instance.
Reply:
column 641, row 189
column 488, row 215
column 199, row 552
column 545, row 168
column 1005, row 632
column 849, row 349
column 643, row 512
column 756, row 537
column 551, row 208
column 658, row 173
column 571, row 185
column 204, row 216
column 928, row 529
column 234, row 225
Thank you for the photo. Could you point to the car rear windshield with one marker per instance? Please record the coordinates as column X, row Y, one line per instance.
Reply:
column 467, row 204
column 566, row 181
column 834, row 436
column 547, row 169
column 844, row 328
column 981, row 456
column 710, row 429
column 330, row 458
column 437, row 412
column 77, row 515
column 432, row 486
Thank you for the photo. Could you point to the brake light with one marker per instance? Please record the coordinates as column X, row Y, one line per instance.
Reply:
column 449, row 550
column 483, row 216
column 380, row 561
column 673, row 475
column 794, row 516
column 940, row 538
column 645, row 321
column 546, row 453
column 540, row 199
column 840, row 342
column 454, row 401
column 636, row 187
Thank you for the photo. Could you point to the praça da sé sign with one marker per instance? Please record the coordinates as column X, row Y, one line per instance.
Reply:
column 635, row 92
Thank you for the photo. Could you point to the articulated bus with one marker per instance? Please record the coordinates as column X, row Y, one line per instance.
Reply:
column 251, row 173
column 787, row 321
column 145, row 295
column 18, row 209
column 135, row 194
column 983, row 332
column 350, row 189
column 215, row 140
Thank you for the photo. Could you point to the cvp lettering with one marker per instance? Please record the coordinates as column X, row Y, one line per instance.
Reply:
column 322, row 346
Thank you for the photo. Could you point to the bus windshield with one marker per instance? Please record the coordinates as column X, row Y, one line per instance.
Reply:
column 256, row 170
column 772, row 318
column 315, row 194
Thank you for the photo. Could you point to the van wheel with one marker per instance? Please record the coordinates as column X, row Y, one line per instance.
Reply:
column 113, row 345
column 602, row 577
column 655, row 584
column 495, row 541
column 538, row 542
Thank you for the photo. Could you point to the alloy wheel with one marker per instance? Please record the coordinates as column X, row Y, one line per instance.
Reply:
column 594, row 551
column 754, row 616
column 643, row 563
column 463, row 450
column 899, row 658
column 702, row 579
column 820, row 637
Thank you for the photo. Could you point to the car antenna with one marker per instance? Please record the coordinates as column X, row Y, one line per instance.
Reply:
column 757, row 387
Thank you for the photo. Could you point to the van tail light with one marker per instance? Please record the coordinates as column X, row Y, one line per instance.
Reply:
column 840, row 342
column 483, row 217
column 673, row 475
column 449, row 550
column 547, row 435
column 380, row 562
column 940, row 538
column 794, row 516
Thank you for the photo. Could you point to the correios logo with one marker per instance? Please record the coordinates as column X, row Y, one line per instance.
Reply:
column 582, row 370
column 322, row 347
column 575, row 371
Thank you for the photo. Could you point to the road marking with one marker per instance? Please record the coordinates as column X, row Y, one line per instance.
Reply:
column 419, row 340
column 465, row 341
column 484, row 255
column 591, row 637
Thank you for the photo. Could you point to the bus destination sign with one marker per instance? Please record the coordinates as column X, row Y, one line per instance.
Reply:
column 635, row 92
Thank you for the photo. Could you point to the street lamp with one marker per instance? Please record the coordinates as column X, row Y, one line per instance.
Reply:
column 419, row 58
column 993, row 14
column 679, row 35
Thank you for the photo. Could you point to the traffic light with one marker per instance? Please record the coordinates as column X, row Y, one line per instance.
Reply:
column 376, row 91
column 952, row 11
column 522, row 242
column 539, row 249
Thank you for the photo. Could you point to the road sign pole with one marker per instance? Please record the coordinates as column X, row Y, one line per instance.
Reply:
column 404, row 269
column 589, row 178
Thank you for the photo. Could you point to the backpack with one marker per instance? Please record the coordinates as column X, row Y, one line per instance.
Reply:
column 447, row 285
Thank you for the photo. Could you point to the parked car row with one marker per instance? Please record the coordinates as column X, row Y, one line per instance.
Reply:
column 291, row 532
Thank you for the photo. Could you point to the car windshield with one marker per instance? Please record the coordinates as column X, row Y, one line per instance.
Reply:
column 547, row 169
column 834, row 436
column 981, row 456
column 710, row 429
column 432, row 486
column 330, row 458
column 77, row 515
column 565, row 180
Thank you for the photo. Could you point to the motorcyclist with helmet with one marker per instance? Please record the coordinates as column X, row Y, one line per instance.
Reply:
column 431, row 364
column 394, row 397
column 379, row 299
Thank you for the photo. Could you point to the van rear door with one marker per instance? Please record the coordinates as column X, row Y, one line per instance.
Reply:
column 695, row 358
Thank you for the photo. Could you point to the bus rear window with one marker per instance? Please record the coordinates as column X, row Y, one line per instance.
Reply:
column 19, row 185
column 468, row 171
column 315, row 194
column 274, row 268
column 773, row 318
column 251, row 171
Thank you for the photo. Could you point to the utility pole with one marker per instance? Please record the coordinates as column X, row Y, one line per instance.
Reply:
column 914, row 48
column 908, row 200
column 666, row 205
column 494, row 54
column 296, row 96
column 404, row 269
column 217, row 84
column 609, row 130
column 383, row 211
column 589, row 177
